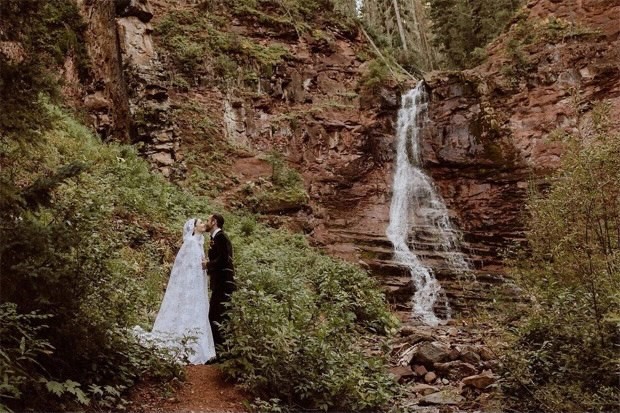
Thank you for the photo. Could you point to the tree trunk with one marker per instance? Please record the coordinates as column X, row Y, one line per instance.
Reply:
column 399, row 22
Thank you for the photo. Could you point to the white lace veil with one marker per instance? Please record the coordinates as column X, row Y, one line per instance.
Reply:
column 188, row 232
column 188, row 228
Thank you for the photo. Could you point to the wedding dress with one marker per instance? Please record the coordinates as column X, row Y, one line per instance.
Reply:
column 184, row 311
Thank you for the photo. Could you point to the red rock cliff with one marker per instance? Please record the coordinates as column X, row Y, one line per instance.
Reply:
column 495, row 129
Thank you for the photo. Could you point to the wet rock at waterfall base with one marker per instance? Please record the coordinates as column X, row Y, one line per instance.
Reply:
column 444, row 397
column 413, row 335
column 429, row 353
column 455, row 370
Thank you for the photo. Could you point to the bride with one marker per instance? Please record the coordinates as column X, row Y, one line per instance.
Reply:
column 184, row 311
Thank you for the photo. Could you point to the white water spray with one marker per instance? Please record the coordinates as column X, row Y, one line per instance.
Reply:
column 416, row 204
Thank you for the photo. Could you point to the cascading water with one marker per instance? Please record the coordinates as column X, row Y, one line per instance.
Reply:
column 416, row 204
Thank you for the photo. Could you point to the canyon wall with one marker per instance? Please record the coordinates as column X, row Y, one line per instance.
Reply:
column 495, row 130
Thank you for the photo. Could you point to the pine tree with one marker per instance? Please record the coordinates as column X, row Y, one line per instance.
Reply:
column 402, row 27
column 462, row 26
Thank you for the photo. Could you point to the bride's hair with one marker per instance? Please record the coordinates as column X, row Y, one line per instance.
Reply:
column 194, row 230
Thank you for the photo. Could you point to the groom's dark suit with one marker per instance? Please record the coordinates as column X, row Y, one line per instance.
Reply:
column 222, row 279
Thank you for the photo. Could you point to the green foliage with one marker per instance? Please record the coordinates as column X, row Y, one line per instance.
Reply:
column 462, row 26
column 282, row 175
column 83, row 251
column 284, row 191
column 564, row 355
column 198, row 42
column 376, row 75
column 295, row 322
column 51, row 30
column 555, row 30
column 20, row 348
column 532, row 34
column 296, row 16
column 43, row 33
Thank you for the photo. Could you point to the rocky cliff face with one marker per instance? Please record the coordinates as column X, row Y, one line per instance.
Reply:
column 128, row 96
column 498, row 125
column 495, row 130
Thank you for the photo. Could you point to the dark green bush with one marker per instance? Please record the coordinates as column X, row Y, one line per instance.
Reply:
column 296, row 321
column 377, row 74
column 21, row 348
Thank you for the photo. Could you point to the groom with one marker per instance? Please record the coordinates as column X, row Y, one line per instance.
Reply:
column 222, row 274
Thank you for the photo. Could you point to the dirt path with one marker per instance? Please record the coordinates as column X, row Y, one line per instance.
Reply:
column 205, row 390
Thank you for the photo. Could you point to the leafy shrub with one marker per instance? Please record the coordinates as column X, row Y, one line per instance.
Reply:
column 295, row 322
column 199, row 43
column 375, row 76
column 281, row 174
column 21, row 348
column 564, row 354
column 283, row 191
column 86, row 245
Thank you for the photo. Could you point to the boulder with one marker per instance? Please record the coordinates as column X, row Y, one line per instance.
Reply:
column 484, row 352
column 424, row 389
column 480, row 381
column 97, row 101
column 444, row 397
column 402, row 373
column 470, row 357
column 455, row 354
column 430, row 377
column 429, row 353
column 137, row 8
column 414, row 335
column 455, row 370
column 420, row 370
column 162, row 158
column 491, row 365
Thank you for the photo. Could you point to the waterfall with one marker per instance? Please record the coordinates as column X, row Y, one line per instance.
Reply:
column 359, row 4
column 416, row 205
